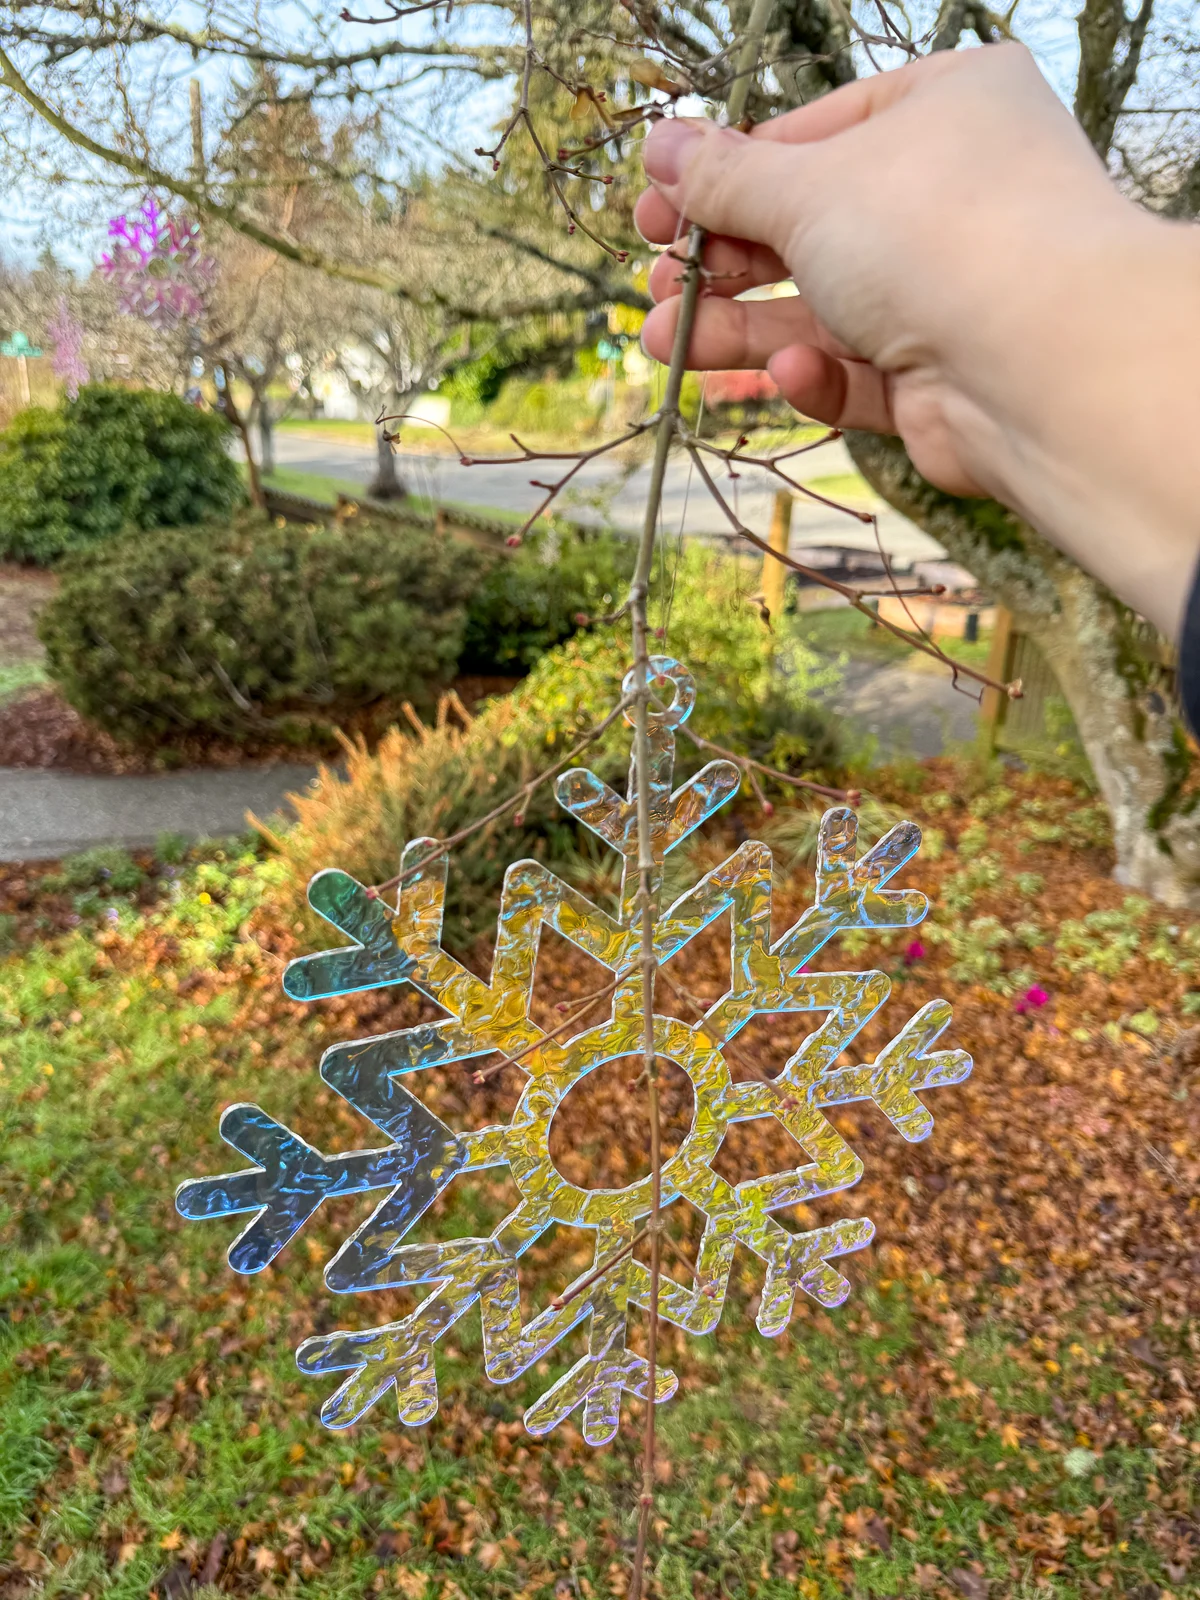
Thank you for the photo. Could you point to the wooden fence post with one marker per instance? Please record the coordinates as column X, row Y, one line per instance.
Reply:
column 774, row 573
column 999, row 667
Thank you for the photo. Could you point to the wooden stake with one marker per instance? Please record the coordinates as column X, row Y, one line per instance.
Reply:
column 774, row 574
column 1000, row 660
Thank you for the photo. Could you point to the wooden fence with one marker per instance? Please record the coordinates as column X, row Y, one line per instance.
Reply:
column 1009, row 724
column 454, row 521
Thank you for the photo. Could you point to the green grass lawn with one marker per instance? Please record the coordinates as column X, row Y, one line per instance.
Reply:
column 311, row 485
column 320, row 486
column 152, row 1417
column 343, row 429
column 846, row 487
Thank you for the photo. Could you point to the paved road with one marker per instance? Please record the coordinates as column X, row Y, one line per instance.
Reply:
column 686, row 503
column 44, row 815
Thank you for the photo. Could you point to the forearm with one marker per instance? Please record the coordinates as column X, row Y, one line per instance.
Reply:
column 1097, row 442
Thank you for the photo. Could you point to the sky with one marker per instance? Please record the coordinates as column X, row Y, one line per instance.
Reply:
column 72, row 220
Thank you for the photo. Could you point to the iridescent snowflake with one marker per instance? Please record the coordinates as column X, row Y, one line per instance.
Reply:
column 66, row 330
column 158, row 266
column 423, row 1156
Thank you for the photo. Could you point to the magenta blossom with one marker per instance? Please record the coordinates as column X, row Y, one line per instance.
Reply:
column 1032, row 1000
column 158, row 266
column 914, row 952
column 67, row 332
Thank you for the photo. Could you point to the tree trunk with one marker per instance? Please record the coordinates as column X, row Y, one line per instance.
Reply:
column 266, row 437
column 233, row 412
column 1129, row 730
column 385, row 485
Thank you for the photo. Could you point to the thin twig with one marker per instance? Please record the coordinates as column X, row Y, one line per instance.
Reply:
column 597, row 1271
column 701, row 1012
column 670, row 421
column 957, row 668
column 580, row 458
column 590, row 1002
column 847, row 797
column 552, row 169
column 645, row 902
column 521, row 794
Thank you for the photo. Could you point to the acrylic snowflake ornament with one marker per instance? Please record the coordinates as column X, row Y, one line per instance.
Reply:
column 422, row 1156
column 156, row 262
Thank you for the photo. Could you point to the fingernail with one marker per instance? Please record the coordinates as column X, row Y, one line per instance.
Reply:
column 668, row 146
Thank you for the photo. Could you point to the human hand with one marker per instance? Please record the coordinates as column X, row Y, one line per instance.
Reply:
column 936, row 221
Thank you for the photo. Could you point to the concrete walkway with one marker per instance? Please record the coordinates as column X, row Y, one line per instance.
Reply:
column 44, row 815
column 909, row 707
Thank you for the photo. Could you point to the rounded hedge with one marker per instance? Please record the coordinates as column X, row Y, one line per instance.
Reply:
column 254, row 629
column 112, row 460
column 526, row 603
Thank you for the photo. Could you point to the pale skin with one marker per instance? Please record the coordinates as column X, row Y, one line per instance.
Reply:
column 970, row 279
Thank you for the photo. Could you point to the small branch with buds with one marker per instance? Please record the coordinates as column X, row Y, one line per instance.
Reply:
column 521, row 796
column 854, row 596
column 554, row 170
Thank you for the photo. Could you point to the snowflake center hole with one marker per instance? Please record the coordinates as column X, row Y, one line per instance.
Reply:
column 600, row 1135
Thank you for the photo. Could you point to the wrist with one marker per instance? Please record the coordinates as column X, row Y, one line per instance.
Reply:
column 1089, row 423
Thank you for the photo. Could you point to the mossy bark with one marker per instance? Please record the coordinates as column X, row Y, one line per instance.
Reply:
column 1129, row 729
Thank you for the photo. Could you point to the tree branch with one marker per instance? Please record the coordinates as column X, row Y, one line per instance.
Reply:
column 291, row 249
column 1105, row 75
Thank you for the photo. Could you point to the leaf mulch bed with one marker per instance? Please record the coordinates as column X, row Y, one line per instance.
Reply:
column 1053, row 1212
column 38, row 729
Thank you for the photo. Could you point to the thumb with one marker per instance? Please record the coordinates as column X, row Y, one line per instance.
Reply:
column 725, row 181
column 756, row 186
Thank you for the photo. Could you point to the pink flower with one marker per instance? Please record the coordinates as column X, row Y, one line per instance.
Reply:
column 1033, row 998
column 914, row 952
column 67, row 332
column 157, row 264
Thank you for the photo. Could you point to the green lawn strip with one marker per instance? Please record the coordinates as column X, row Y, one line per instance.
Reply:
column 341, row 429
column 149, row 1400
column 320, row 486
column 311, row 485
column 849, row 488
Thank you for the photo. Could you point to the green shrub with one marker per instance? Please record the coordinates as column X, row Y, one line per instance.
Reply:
column 256, row 630
column 534, row 600
column 103, row 867
column 112, row 460
column 747, row 700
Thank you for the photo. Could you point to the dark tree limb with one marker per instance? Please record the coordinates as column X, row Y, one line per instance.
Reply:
column 1110, row 52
